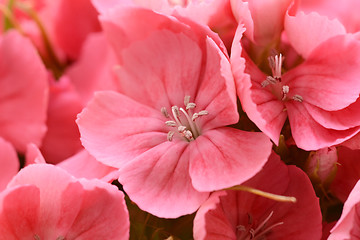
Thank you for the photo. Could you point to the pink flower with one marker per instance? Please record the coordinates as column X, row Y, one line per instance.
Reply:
column 165, row 131
column 24, row 94
column 45, row 202
column 319, row 96
column 348, row 226
column 241, row 215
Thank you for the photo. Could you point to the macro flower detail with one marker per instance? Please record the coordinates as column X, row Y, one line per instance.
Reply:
column 168, row 135
column 183, row 120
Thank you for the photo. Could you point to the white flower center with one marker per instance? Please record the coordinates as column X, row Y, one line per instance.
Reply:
column 280, row 90
column 259, row 233
column 183, row 120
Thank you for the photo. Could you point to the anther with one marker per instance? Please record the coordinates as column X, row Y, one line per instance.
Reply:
column 36, row 237
column 190, row 106
column 297, row 98
column 285, row 90
column 170, row 135
column 170, row 123
column 165, row 112
column 175, row 111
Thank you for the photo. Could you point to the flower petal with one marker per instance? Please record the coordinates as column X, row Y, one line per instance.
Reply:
column 329, row 77
column 23, row 98
column 115, row 129
column 306, row 31
column 225, row 157
column 19, row 207
column 310, row 135
column 162, row 173
column 9, row 163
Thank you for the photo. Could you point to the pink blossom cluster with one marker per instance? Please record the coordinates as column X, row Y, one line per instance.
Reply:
column 178, row 119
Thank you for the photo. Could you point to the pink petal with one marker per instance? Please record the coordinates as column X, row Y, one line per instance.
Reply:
column 339, row 120
column 20, row 207
column 115, row 129
column 348, row 226
column 23, row 99
column 310, row 135
column 83, row 19
column 260, row 105
column 83, row 165
column 329, row 77
column 45, row 177
column 215, row 163
column 162, row 173
column 102, row 215
column 216, row 92
column 62, row 138
column 9, row 163
column 33, row 155
column 224, row 212
column 306, row 31
column 266, row 21
column 161, row 70
column 88, row 74
column 104, row 5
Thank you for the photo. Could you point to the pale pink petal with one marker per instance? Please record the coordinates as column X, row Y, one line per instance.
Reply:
column 19, row 212
column 260, row 105
column 162, row 173
column 310, row 135
column 103, row 5
column 83, row 19
column 348, row 225
column 62, row 138
column 329, row 77
column 83, row 165
column 238, row 154
column 88, row 74
column 306, row 31
column 242, row 15
column 115, row 129
column 23, row 99
column 9, row 163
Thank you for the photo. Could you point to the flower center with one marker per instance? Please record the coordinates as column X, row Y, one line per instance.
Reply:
column 279, row 89
column 249, row 232
column 183, row 120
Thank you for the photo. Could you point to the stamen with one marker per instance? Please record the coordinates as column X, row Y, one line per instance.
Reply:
column 165, row 112
column 170, row 123
column 36, row 237
column 297, row 98
column 183, row 120
column 285, row 90
column 170, row 135
column 186, row 100
column 261, row 225
column 60, row 238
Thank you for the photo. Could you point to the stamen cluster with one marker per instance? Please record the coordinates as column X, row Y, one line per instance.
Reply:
column 183, row 120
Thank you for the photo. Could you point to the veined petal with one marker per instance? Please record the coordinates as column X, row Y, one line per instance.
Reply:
column 216, row 92
column 225, row 157
column 162, row 173
column 329, row 77
column 260, row 105
column 339, row 120
column 115, row 129
column 306, row 31
column 161, row 70
column 20, row 208
column 310, row 135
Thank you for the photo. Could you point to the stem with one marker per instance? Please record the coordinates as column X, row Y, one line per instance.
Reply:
column 279, row 198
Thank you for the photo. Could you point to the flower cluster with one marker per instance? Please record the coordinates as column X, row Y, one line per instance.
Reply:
column 178, row 119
